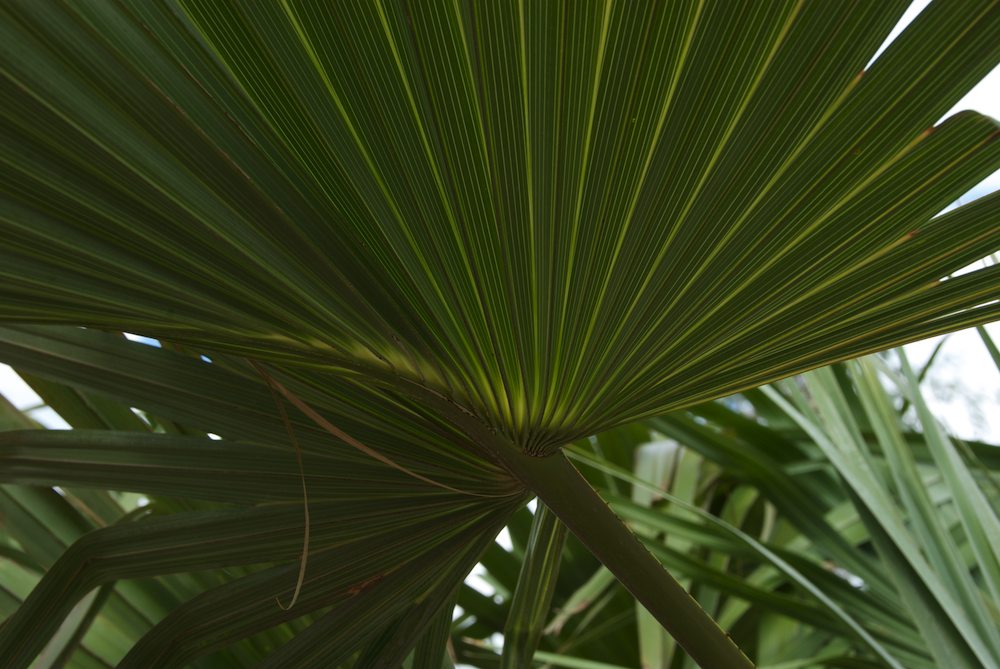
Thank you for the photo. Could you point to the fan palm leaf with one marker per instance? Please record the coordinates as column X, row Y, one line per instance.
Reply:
column 457, row 236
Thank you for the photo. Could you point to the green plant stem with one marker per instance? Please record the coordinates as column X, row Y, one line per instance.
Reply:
column 563, row 489
column 536, row 585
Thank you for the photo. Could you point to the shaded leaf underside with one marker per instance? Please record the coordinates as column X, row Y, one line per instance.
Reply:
column 370, row 520
column 563, row 219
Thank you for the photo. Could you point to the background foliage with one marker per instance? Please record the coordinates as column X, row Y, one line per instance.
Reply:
column 809, row 518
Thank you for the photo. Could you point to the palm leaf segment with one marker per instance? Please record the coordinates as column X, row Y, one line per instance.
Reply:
column 541, row 220
column 384, row 544
column 560, row 217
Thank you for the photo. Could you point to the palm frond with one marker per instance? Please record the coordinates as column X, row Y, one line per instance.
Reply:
column 456, row 237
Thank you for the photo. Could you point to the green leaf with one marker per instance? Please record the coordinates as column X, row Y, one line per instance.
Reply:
column 556, row 264
column 990, row 345
column 634, row 512
column 65, row 642
column 431, row 651
column 842, row 447
column 535, row 587
column 462, row 236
